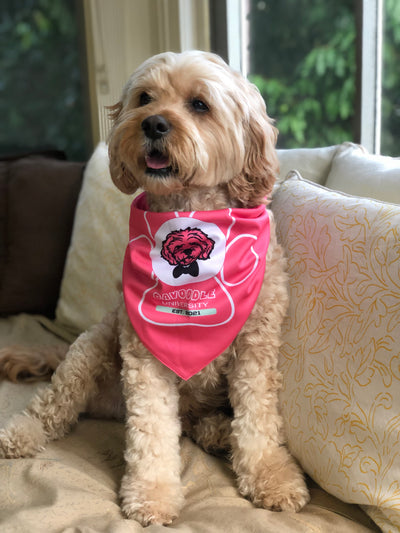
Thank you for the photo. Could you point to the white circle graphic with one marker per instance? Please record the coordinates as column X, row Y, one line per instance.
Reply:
column 187, row 250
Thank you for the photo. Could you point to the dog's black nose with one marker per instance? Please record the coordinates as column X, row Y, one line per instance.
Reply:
column 155, row 127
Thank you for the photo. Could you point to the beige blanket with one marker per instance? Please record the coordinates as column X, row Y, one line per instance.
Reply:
column 73, row 485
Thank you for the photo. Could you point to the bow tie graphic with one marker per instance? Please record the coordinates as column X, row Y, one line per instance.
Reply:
column 192, row 269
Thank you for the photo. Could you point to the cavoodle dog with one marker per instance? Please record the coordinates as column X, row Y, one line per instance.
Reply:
column 194, row 343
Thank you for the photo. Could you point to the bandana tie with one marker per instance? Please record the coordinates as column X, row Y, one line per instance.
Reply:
column 190, row 280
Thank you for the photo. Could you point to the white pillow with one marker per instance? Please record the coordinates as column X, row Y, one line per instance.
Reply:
column 355, row 171
column 340, row 352
column 93, row 268
column 313, row 163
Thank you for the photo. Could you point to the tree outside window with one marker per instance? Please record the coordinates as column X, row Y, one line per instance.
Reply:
column 303, row 59
column 42, row 69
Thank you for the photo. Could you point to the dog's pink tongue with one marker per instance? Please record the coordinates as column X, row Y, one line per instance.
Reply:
column 157, row 161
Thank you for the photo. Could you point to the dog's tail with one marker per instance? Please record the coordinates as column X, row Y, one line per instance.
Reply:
column 28, row 364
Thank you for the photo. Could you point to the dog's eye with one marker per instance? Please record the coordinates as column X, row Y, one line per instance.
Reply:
column 144, row 99
column 199, row 106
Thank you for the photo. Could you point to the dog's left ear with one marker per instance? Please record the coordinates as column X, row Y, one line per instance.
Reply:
column 123, row 179
column 261, row 166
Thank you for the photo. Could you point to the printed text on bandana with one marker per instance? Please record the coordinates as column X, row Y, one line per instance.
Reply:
column 186, row 302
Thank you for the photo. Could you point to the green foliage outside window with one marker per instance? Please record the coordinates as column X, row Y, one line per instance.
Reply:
column 41, row 88
column 303, row 60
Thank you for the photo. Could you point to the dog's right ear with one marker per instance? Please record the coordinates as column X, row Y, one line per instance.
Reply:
column 123, row 179
column 115, row 111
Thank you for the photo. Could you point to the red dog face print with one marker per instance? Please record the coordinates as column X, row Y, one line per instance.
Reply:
column 183, row 248
column 187, row 250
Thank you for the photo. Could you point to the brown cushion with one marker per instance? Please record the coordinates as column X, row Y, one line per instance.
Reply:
column 38, row 195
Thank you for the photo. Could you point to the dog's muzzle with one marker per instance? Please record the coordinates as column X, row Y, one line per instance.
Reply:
column 155, row 127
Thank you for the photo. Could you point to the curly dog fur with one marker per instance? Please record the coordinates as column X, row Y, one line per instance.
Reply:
column 212, row 146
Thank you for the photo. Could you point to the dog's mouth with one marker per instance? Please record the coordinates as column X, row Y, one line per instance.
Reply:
column 158, row 164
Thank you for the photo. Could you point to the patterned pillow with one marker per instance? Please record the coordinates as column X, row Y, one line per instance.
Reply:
column 340, row 354
column 94, row 263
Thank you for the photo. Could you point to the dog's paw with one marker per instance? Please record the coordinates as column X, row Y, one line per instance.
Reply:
column 150, row 503
column 22, row 437
column 277, row 483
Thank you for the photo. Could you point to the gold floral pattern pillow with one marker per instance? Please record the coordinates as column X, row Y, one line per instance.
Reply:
column 341, row 343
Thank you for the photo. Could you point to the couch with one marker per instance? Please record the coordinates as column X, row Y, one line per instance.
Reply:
column 64, row 230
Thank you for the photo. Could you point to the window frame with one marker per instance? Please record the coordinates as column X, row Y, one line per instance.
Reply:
column 219, row 26
column 369, row 22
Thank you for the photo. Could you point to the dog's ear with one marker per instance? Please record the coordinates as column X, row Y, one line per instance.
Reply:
column 114, row 111
column 123, row 179
column 261, row 166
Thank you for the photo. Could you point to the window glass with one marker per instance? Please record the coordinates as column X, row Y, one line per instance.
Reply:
column 41, row 83
column 390, row 134
column 302, row 57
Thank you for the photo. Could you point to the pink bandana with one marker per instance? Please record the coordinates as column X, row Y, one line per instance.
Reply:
column 191, row 280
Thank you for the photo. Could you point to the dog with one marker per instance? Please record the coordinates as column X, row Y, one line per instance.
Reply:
column 196, row 137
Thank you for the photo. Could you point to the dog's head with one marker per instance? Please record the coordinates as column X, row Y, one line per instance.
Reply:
column 184, row 247
column 187, row 120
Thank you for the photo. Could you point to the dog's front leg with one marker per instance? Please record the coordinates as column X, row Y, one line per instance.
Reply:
column 55, row 408
column 266, row 471
column 151, row 489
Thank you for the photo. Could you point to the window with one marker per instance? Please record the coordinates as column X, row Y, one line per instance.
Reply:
column 390, row 136
column 302, row 58
column 318, row 64
column 328, row 70
column 42, row 84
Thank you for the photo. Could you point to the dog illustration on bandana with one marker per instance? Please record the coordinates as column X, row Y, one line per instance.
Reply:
column 183, row 248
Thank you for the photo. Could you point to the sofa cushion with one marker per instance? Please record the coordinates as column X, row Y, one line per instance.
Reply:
column 314, row 164
column 355, row 171
column 340, row 352
column 93, row 269
column 38, row 195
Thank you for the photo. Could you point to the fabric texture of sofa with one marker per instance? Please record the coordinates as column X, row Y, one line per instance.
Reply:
column 340, row 352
